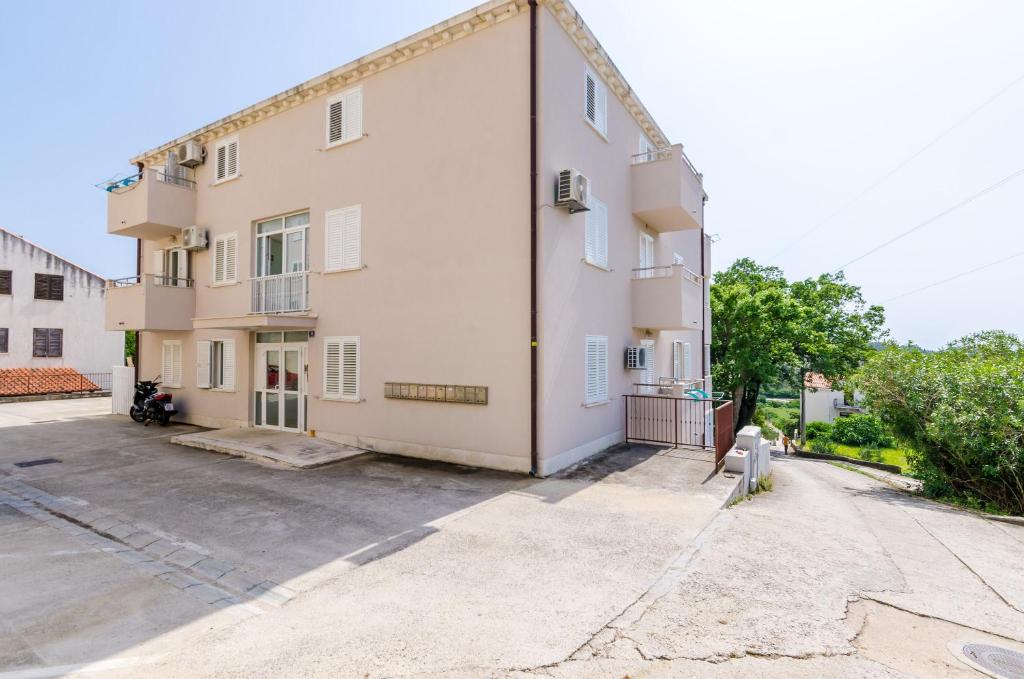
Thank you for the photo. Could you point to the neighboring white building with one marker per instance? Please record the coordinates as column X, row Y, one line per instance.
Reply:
column 819, row 402
column 51, row 312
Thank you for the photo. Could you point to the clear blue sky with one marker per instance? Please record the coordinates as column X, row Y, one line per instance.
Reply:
column 790, row 108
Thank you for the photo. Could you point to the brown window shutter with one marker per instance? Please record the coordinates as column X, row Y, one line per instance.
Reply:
column 5, row 282
column 42, row 286
column 3, row 340
column 40, row 341
column 57, row 287
column 55, row 346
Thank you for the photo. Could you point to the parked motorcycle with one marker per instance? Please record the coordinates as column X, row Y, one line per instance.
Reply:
column 150, row 405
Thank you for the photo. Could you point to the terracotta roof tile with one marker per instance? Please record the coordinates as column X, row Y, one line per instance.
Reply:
column 816, row 381
column 24, row 381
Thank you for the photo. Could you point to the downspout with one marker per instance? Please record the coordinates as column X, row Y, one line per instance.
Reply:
column 704, row 348
column 138, row 272
column 534, row 455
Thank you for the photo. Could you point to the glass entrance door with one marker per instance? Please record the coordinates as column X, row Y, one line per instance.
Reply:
column 280, row 397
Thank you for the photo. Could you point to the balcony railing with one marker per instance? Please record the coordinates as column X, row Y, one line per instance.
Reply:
column 150, row 205
column 278, row 294
column 667, row 298
column 665, row 153
column 666, row 271
column 667, row 191
column 165, row 281
column 123, row 183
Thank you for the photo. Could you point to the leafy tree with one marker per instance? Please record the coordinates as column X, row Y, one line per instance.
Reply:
column 962, row 410
column 130, row 344
column 766, row 330
column 860, row 430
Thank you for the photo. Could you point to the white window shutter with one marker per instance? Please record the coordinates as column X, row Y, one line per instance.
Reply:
column 677, row 360
column 354, row 114
column 687, row 370
column 344, row 239
column 333, row 222
column 219, row 248
column 590, row 238
column 233, row 159
column 596, row 369
column 649, row 375
column 228, row 364
column 590, row 97
column 167, row 363
column 222, row 162
column 226, row 153
column 596, row 236
column 231, row 258
column 177, row 364
column 335, row 121
column 350, row 368
column 602, row 108
column 332, row 367
column 203, row 352
column 602, row 233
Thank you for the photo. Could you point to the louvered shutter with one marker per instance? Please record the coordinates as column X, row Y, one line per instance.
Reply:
column 55, row 343
column 350, row 368
column 649, row 375
column 5, row 282
column 601, row 211
column 335, row 121
column 590, row 237
column 332, row 367
column 167, row 363
column 354, row 114
column 228, row 364
column 677, row 360
column 40, row 342
column 218, row 260
column 56, row 288
column 596, row 369
column 203, row 353
column 42, row 287
column 232, row 159
column 343, row 236
column 222, row 162
column 231, row 258
column 687, row 370
column 590, row 97
column 176, row 364
column 3, row 341
column 602, row 108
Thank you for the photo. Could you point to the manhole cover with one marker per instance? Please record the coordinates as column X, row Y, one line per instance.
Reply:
column 1001, row 662
column 35, row 463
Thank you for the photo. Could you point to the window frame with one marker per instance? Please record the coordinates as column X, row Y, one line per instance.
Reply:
column 164, row 380
column 51, row 279
column 339, row 395
column 6, row 282
column 225, row 237
column 259, row 240
column 598, row 211
column 343, row 97
column 5, row 339
column 342, row 212
column 600, row 121
column 50, row 334
column 225, row 144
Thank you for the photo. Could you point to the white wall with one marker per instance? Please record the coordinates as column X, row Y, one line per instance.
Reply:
column 818, row 405
column 88, row 348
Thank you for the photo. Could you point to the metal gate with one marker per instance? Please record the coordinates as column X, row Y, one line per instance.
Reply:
column 681, row 421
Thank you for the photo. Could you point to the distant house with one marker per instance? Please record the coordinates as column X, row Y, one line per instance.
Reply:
column 51, row 317
column 819, row 402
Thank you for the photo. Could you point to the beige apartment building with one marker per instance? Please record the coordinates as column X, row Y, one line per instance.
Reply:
column 382, row 255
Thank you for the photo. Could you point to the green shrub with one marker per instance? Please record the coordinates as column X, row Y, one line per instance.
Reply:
column 823, row 445
column 815, row 430
column 860, row 430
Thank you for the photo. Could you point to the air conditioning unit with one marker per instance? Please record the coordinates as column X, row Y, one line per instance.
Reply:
column 194, row 238
column 191, row 154
column 572, row 191
column 637, row 358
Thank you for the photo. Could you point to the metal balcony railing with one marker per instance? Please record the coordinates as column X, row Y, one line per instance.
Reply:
column 666, row 271
column 282, row 293
column 664, row 153
column 120, row 183
column 165, row 281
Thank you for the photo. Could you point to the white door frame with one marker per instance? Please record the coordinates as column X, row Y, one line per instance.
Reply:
column 261, row 391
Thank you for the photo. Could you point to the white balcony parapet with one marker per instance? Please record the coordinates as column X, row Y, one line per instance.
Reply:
column 282, row 293
column 667, row 298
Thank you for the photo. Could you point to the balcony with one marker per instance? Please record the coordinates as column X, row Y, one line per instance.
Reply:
column 150, row 205
column 668, row 192
column 150, row 302
column 279, row 294
column 667, row 298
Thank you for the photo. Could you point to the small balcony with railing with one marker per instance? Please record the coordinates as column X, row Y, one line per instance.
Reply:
column 151, row 205
column 150, row 302
column 667, row 191
column 279, row 294
column 667, row 298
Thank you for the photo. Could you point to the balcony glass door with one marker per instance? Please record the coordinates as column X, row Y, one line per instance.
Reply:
column 282, row 259
column 280, row 398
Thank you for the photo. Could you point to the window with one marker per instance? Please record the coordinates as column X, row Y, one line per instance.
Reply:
column 5, row 282
column 646, row 256
column 3, row 340
column 170, row 363
column 596, row 239
column 645, row 149
column 282, row 245
column 215, row 364
column 677, row 258
column 341, row 368
column 345, row 117
column 649, row 375
column 343, row 235
column 49, row 286
column 681, row 361
column 171, row 267
column 225, row 259
column 47, row 342
column 596, row 369
column 595, row 106
column 226, row 157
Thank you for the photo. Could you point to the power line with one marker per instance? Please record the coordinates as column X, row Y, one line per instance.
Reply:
column 896, row 169
column 953, row 278
column 988, row 189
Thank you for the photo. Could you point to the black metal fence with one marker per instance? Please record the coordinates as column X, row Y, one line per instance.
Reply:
column 681, row 421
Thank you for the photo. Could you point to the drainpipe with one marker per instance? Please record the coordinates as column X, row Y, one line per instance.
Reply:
column 534, row 455
column 138, row 272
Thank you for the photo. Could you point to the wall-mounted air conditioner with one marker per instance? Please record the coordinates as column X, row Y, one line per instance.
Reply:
column 572, row 191
column 194, row 238
column 637, row 358
column 191, row 154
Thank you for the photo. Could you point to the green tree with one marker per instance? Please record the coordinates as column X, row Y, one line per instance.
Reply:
column 962, row 411
column 766, row 330
column 130, row 354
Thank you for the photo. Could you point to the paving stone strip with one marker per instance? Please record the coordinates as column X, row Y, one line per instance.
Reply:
column 219, row 584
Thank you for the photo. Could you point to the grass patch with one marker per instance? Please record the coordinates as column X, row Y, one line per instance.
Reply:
column 765, row 484
column 886, row 455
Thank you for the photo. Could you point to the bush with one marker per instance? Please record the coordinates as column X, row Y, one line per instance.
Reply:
column 815, row 430
column 962, row 411
column 860, row 430
column 824, row 446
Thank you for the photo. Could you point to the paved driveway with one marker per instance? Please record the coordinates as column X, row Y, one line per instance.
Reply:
column 157, row 560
